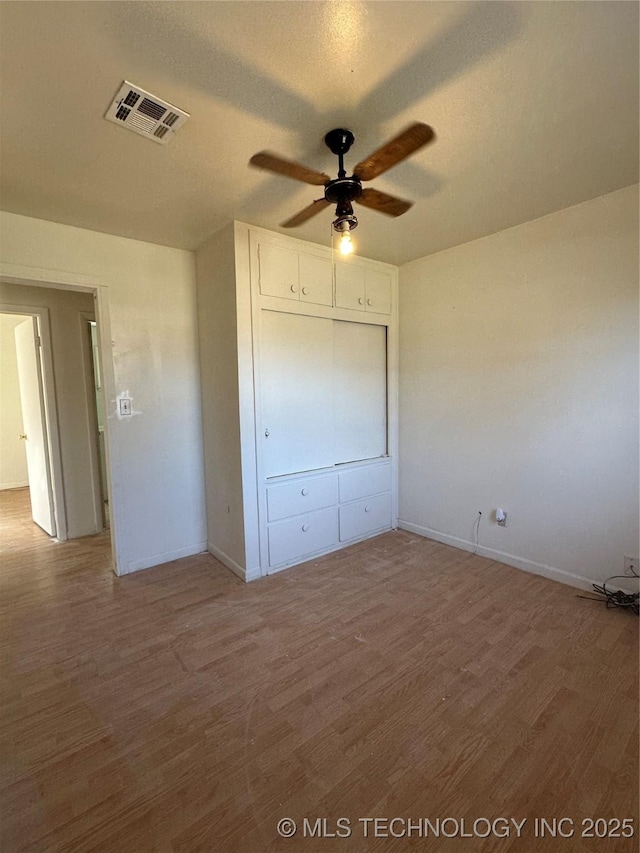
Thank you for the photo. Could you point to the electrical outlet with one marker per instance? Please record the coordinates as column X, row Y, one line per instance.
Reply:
column 630, row 565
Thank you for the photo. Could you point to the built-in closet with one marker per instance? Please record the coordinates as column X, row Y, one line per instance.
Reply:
column 299, row 389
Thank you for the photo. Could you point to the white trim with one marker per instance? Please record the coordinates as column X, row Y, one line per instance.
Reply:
column 91, row 414
column 164, row 557
column 247, row 393
column 245, row 575
column 393, row 386
column 107, row 372
column 14, row 274
column 6, row 486
column 550, row 572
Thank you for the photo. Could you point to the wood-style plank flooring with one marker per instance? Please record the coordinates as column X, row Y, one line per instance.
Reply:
column 178, row 709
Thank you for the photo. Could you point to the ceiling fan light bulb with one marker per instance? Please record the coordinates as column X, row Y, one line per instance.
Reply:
column 346, row 243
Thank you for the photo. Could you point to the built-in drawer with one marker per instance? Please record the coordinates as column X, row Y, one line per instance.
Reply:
column 365, row 516
column 295, row 538
column 364, row 481
column 301, row 496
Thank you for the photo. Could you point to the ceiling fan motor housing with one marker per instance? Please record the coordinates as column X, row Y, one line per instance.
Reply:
column 339, row 141
column 342, row 189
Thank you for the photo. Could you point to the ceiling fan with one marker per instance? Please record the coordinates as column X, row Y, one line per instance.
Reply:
column 342, row 190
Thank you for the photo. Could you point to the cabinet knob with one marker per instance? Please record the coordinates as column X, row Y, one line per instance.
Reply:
column 304, row 492
column 367, row 508
column 294, row 288
column 305, row 290
column 361, row 301
column 369, row 302
column 305, row 527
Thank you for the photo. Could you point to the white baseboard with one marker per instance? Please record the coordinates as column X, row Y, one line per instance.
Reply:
column 20, row 485
column 165, row 557
column 550, row 572
column 246, row 575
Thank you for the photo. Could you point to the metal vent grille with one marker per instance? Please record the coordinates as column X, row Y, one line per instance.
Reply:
column 131, row 98
column 145, row 114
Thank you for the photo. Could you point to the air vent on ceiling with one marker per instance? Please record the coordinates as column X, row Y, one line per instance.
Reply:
column 145, row 114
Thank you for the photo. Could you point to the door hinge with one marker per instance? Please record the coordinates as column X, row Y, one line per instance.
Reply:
column 38, row 341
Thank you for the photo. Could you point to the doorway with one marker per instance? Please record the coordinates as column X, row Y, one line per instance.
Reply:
column 65, row 484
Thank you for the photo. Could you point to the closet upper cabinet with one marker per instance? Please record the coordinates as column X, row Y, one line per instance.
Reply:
column 288, row 274
column 363, row 289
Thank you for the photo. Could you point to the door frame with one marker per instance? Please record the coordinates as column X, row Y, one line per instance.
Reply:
column 51, row 423
column 92, row 416
column 56, row 279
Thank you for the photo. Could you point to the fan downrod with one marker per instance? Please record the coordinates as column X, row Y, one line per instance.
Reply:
column 339, row 141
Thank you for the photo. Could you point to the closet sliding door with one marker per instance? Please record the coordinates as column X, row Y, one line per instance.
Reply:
column 296, row 386
column 323, row 390
column 360, row 391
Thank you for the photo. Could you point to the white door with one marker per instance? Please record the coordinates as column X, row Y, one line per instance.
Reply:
column 34, row 425
column 296, row 366
column 360, row 379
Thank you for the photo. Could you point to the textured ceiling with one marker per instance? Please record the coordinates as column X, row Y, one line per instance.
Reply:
column 535, row 106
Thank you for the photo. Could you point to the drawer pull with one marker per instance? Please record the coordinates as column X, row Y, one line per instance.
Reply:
column 304, row 492
column 367, row 508
column 305, row 527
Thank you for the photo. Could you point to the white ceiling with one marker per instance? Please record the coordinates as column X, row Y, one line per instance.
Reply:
column 535, row 107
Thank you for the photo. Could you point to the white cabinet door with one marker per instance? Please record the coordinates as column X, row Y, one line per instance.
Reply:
column 316, row 281
column 278, row 272
column 296, row 388
column 377, row 287
column 349, row 287
column 363, row 289
column 360, row 370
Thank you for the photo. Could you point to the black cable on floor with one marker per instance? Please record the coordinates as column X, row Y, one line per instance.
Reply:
column 617, row 598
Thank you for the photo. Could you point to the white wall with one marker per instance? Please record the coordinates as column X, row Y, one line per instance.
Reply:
column 65, row 317
column 13, row 459
column 519, row 389
column 217, row 315
column 157, row 496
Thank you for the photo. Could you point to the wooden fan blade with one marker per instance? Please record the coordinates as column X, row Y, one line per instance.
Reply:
column 273, row 163
column 307, row 213
column 414, row 137
column 383, row 203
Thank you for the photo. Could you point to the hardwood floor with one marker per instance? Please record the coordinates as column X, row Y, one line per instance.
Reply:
column 178, row 709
